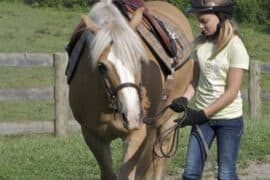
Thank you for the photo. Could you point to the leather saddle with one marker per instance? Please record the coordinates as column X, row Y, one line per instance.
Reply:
column 153, row 24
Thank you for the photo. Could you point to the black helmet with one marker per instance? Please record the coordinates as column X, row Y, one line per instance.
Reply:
column 215, row 6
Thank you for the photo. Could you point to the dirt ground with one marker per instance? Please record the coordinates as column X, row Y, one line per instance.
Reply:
column 255, row 171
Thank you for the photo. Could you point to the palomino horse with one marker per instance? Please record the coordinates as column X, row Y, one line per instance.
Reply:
column 119, row 73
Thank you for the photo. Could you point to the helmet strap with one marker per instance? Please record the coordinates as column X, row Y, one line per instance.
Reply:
column 222, row 17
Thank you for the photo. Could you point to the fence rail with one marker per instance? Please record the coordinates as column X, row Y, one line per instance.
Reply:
column 59, row 92
column 265, row 67
column 26, row 94
column 35, row 127
column 26, row 59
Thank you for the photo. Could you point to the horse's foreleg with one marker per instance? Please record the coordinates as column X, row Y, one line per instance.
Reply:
column 132, row 148
column 101, row 150
column 151, row 166
column 159, row 168
column 164, row 147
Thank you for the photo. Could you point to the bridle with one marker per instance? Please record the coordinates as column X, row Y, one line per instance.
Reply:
column 111, row 91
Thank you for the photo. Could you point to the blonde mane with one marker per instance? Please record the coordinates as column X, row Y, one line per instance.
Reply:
column 115, row 31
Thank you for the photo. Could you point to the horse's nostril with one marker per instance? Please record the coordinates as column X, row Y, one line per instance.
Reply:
column 124, row 117
column 124, row 120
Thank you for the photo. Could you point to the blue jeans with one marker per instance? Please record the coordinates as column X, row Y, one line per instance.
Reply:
column 228, row 134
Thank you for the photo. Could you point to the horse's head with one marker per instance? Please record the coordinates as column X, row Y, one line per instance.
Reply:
column 117, row 53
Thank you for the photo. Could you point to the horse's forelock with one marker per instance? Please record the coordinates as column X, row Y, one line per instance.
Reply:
column 126, row 43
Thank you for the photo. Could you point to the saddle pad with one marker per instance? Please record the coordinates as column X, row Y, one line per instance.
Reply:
column 76, row 52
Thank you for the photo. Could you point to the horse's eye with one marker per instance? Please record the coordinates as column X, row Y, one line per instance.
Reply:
column 102, row 68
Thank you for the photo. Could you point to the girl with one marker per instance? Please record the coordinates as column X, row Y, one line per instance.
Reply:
column 220, row 60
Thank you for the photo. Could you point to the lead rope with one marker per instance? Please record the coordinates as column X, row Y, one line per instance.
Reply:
column 207, row 151
column 175, row 129
column 160, row 139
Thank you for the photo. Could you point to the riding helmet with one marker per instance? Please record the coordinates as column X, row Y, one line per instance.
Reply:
column 213, row 6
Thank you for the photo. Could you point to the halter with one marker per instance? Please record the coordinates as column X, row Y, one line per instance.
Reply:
column 111, row 92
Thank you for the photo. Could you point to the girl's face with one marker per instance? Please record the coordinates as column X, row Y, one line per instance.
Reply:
column 208, row 23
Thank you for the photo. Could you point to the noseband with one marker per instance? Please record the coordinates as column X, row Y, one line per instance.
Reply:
column 112, row 93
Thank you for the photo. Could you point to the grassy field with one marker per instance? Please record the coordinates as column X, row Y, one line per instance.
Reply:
column 46, row 157
column 26, row 29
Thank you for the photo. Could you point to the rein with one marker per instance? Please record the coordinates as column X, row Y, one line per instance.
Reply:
column 150, row 120
column 163, row 136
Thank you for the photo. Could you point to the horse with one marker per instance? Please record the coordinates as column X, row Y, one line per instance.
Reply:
column 118, row 82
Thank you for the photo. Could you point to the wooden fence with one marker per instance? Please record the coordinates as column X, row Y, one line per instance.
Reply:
column 59, row 92
column 255, row 94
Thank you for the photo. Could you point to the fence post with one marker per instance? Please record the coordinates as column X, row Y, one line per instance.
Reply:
column 254, row 91
column 60, row 94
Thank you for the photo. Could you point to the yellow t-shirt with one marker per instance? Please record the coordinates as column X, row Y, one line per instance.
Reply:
column 213, row 75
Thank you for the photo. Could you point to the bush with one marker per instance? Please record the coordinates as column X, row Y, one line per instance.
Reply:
column 250, row 11
column 60, row 3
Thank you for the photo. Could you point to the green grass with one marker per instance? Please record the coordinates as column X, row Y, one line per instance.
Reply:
column 41, row 156
column 255, row 144
column 26, row 29
column 25, row 77
column 46, row 157
column 17, row 111
column 256, row 41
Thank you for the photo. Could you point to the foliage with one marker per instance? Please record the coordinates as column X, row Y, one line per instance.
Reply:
column 251, row 11
column 60, row 3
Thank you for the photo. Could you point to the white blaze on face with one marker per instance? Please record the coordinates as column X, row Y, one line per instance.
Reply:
column 130, row 101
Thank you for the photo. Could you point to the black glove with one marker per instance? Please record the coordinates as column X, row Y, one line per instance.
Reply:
column 179, row 104
column 192, row 117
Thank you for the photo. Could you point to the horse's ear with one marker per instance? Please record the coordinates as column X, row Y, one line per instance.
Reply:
column 136, row 19
column 90, row 24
